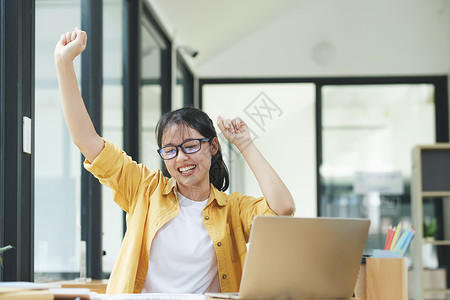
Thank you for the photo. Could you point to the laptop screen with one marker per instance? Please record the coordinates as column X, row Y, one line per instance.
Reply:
column 303, row 257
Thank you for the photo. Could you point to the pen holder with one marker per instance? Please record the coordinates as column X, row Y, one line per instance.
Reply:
column 382, row 278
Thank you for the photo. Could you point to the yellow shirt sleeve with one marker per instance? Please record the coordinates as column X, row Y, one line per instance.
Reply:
column 249, row 207
column 115, row 169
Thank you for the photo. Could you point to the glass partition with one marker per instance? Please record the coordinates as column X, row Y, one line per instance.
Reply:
column 368, row 133
column 112, row 214
column 178, row 101
column 58, row 160
column 150, row 96
column 184, row 88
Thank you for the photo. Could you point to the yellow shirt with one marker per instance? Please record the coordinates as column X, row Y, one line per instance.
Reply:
column 150, row 199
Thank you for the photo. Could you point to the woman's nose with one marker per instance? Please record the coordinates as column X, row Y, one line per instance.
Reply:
column 181, row 155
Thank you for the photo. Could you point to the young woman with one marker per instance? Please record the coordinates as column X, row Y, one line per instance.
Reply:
column 184, row 234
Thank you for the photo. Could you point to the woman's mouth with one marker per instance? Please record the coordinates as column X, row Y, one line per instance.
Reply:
column 186, row 169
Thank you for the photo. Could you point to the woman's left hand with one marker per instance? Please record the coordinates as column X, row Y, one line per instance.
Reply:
column 274, row 190
column 236, row 131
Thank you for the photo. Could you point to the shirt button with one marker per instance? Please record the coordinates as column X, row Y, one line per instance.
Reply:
column 224, row 276
column 207, row 218
column 219, row 244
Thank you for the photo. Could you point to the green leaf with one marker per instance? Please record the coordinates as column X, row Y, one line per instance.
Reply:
column 429, row 230
column 3, row 249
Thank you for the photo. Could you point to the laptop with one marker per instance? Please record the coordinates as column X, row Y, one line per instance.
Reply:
column 302, row 258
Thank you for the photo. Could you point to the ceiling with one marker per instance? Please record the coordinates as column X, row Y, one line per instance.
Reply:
column 211, row 26
column 301, row 38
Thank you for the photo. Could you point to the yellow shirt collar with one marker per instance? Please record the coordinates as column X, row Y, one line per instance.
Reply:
column 214, row 194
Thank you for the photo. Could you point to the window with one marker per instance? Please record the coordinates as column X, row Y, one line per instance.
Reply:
column 368, row 133
column 184, row 88
column 151, row 90
column 58, row 160
column 112, row 110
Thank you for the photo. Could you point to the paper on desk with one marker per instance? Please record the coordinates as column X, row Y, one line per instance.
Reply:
column 153, row 296
column 28, row 285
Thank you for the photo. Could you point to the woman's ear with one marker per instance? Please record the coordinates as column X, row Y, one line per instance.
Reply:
column 214, row 146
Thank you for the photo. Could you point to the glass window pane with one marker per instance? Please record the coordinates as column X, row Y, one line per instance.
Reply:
column 178, row 100
column 112, row 220
column 280, row 117
column 368, row 133
column 184, row 88
column 151, row 56
column 151, row 99
column 151, row 112
column 58, row 160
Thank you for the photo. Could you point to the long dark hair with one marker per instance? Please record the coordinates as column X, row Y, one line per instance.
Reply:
column 198, row 120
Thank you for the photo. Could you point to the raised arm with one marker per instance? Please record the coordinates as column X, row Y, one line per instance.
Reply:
column 274, row 190
column 80, row 126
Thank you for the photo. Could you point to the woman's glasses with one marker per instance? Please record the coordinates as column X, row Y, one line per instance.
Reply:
column 188, row 147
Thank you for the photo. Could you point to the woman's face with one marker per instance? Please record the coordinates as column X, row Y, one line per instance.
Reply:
column 189, row 170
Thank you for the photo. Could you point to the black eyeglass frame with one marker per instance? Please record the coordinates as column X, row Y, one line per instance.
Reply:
column 180, row 146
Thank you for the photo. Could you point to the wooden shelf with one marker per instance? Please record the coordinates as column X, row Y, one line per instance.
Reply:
column 429, row 179
column 437, row 243
column 447, row 291
column 436, row 194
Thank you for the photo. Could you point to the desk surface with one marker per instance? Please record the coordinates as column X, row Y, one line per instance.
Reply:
column 96, row 285
column 157, row 296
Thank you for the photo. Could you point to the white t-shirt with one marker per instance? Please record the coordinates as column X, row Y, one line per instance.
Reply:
column 182, row 256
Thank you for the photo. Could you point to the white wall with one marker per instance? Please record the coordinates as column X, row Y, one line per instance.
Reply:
column 364, row 38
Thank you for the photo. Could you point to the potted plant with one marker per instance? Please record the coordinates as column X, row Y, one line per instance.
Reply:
column 430, row 229
column 429, row 255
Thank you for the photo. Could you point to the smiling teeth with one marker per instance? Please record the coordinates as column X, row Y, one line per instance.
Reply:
column 185, row 169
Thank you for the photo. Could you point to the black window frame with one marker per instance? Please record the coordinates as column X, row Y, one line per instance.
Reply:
column 441, row 108
column 17, row 167
column 440, row 83
column 2, row 122
column 91, row 90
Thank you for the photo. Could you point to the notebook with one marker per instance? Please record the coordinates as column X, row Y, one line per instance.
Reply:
column 302, row 258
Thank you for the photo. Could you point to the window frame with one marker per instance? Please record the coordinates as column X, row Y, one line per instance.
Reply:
column 91, row 90
column 17, row 193
column 441, row 97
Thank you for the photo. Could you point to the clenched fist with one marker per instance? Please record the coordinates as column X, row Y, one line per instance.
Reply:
column 70, row 45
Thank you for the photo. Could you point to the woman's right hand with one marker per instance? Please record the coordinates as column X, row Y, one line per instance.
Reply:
column 70, row 45
column 80, row 126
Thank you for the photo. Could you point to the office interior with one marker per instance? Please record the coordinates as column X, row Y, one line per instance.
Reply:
column 336, row 94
